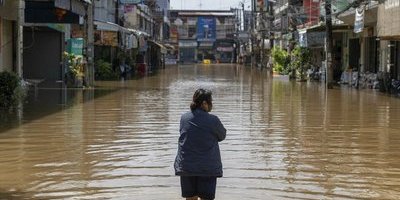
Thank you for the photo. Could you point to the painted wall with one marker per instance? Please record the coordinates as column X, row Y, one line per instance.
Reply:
column 6, row 51
column 9, row 10
column 312, row 10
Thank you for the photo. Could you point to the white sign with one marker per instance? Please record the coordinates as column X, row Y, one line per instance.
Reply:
column 359, row 22
column 392, row 4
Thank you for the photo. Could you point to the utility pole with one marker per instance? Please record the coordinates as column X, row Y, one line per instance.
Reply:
column 253, row 27
column 89, row 44
column 271, row 33
column 20, row 42
column 328, row 44
column 242, row 17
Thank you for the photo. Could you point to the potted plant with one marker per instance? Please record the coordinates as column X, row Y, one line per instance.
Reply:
column 301, row 57
column 75, row 69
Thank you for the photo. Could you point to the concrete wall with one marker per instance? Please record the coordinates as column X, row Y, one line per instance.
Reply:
column 105, row 10
column 9, row 10
column 6, row 52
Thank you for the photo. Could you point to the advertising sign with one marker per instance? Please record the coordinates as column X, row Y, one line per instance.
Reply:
column 206, row 29
column 311, row 39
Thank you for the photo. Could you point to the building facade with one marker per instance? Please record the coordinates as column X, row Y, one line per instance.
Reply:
column 203, row 35
column 8, row 40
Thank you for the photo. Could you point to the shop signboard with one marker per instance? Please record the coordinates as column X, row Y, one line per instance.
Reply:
column 311, row 39
column 75, row 46
column 206, row 29
column 187, row 43
column 106, row 38
column 131, row 1
column 225, row 49
column 303, row 38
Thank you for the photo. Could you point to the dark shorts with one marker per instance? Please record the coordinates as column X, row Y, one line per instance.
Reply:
column 201, row 186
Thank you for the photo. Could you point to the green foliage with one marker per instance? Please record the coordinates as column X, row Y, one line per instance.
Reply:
column 280, row 60
column 301, row 58
column 74, row 64
column 10, row 89
column 104, row 71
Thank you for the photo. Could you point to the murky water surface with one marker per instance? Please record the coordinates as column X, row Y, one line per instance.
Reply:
column 285, row 140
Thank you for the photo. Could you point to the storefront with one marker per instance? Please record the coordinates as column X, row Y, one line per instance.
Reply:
column 187, row 51
column 314, row 39
column 315, row 42
column 205, row 51
column 48, row 24
column 388, row 28
column 225, row 51
column 8, row 17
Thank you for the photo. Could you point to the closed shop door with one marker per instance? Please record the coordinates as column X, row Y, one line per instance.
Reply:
column 394, row 59
column 187, row 54
column 42, row 54
column 398, row 59
column 354, row 54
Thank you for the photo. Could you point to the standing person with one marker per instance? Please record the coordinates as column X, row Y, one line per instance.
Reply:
column 198, row 161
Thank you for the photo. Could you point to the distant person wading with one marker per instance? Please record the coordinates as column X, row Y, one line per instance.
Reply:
column 198, row 161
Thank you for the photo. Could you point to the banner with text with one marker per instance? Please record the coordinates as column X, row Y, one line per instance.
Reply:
column 206, row 29
column 359, row 21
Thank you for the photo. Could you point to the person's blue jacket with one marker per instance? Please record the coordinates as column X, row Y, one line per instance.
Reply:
column 198, row 149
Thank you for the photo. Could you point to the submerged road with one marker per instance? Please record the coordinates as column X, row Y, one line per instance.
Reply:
column 285, row 140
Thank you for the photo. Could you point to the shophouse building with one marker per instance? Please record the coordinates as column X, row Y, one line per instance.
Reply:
column 200, row 35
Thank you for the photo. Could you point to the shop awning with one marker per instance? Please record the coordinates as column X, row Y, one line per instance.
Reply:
column 162, row 47
column 107, row 26
column 87, row 1
column 321, row 27
column 139, row 33
column 49, row 12
column 169, row 46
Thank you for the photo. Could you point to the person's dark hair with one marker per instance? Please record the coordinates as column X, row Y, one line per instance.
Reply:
column 199, row 96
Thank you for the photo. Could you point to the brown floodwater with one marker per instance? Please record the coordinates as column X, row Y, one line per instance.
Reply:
column 285, row 140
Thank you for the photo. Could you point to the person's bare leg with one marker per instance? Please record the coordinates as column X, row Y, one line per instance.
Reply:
column 192, row 198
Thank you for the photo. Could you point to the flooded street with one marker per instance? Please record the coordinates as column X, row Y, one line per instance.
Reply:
column 285, row 140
